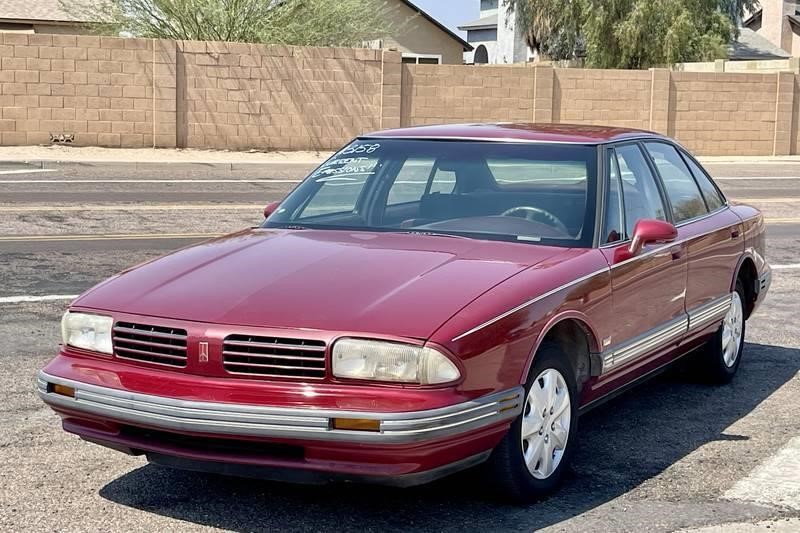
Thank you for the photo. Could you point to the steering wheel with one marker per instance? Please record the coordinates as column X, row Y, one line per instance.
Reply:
column 532, row 213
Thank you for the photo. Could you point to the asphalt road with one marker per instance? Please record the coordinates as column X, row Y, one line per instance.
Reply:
column 673, row 454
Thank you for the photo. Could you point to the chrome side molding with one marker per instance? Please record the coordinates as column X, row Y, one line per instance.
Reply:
column 649, row 341
column 715, row 310
column 665, row 334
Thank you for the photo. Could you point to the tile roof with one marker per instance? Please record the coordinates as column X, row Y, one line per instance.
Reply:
column 42, row 10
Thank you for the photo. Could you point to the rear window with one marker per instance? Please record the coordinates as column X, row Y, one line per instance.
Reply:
column 417, row 177
column 522, row 172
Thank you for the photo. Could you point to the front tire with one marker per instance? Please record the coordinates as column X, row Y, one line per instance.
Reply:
column 530, row 461
column 723, row 353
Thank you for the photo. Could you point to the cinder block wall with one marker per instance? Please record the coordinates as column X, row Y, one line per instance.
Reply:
column 144, row 92
column 724, row 113
column 240, row 96
column 608, row 97
column 711, row 113
column 434, row 94
column 102, row 90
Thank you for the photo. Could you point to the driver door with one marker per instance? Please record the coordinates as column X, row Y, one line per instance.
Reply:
column 648, row 290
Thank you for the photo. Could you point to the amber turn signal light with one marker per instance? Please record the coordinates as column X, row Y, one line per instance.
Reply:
column 63, row 390
column 356, row 424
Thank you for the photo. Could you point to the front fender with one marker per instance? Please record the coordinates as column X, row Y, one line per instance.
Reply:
column 497, row 335
column 585, row 323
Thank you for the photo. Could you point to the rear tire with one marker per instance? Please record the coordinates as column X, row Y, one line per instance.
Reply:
column 530, row 461
column 721, row 356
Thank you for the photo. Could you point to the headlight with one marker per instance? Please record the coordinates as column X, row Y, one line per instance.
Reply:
column 391, row 361
column 88, row 332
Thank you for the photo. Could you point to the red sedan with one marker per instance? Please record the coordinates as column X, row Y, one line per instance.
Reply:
column 427, row 300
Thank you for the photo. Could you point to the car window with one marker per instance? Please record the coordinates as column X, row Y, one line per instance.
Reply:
column 520, row 172
column 640, row 192
column 413, row 177
column 339, row 181
column 614, row 229
column 336, row 195
column 710, row 192
column 682, row 190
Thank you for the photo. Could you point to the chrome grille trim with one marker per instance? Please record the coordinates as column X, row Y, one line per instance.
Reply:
column 252, row 355
column 254, row 344
column 150, row 333
column 150, row 344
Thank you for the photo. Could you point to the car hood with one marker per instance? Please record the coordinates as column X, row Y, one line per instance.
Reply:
column 385, row 283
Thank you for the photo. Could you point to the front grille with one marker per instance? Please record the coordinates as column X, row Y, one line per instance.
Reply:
column 151, row 344
column 273, row 356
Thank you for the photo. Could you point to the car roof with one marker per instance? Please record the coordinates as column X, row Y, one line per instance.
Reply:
column 518, row 132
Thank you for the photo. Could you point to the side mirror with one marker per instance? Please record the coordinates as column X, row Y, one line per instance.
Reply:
column 271, row 208
column 647, row 231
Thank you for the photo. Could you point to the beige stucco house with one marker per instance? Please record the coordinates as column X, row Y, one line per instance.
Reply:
column 778, row 21
column 39, row 16
column 421, row 38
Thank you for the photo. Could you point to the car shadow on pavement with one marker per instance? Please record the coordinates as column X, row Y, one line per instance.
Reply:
column 623, row 443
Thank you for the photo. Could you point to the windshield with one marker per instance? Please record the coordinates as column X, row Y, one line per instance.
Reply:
column 487, row 190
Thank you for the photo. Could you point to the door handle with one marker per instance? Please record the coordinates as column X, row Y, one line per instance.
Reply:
column 677, row 252
column 735, row 234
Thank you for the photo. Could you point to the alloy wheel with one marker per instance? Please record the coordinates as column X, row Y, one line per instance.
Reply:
column 732, row 331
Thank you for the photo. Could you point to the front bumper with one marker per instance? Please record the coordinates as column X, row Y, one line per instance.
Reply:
column 763, row 283
column 237, row 420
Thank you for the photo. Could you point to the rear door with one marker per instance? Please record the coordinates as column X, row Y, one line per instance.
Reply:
column 712, row 233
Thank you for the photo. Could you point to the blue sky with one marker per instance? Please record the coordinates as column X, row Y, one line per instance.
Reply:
column 451, row 12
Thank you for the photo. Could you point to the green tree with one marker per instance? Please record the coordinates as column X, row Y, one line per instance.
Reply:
column 658, row 32
column 551, row 27
column 292, row 22
column 632, row 33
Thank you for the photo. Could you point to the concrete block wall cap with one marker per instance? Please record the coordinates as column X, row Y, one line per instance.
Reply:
column 176, row 165
column 49, row 157
column 749, row 158
column 232, row 163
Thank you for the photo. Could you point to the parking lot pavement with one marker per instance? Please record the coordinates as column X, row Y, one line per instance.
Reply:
column 673, row 455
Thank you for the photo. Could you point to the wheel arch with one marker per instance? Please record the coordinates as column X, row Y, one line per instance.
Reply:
column 574, row 332
column 747, row 272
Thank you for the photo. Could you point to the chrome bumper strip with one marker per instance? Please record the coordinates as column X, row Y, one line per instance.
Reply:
column 171, row 414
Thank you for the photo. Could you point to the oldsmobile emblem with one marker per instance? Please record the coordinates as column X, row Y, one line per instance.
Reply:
column 203, row 351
